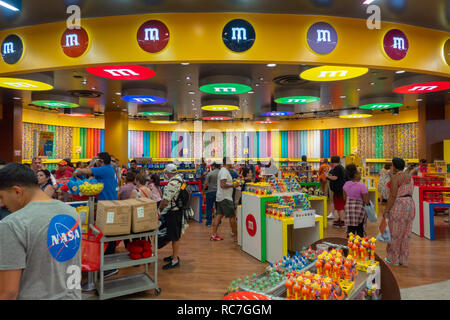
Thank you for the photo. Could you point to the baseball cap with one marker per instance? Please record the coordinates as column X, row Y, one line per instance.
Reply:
column 62, row 163
column 171, row 168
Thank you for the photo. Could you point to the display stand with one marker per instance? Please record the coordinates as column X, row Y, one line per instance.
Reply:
column 112, row 288
column 373, row 196
column 197, row 206
column 254, row 230
column 319, row 203
column 422, row 219
column 253, row 224
column 281, row 237
column 428, row 217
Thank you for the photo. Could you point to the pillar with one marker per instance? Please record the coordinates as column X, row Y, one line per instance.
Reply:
column 10, row 127
column 434, row 127
column 116, row 135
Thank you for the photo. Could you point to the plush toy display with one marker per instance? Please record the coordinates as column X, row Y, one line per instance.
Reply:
column 139, row 249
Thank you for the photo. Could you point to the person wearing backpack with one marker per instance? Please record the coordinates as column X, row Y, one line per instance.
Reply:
column 172, row 213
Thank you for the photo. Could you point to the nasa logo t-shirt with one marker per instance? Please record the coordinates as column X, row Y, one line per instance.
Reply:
column 44, row 240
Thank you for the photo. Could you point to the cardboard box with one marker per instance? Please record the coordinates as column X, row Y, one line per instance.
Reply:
column 113, row 217
column 144, row 214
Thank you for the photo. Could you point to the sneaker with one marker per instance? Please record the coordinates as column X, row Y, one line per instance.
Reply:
column 215, row 238
column 330, row 216
column 172, row 265
column 389, row 262
column 167, row 259
column 110, row 273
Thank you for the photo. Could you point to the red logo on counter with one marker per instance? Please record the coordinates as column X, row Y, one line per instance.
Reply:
column 250, row 223
column 153, row 36
column 74, row 42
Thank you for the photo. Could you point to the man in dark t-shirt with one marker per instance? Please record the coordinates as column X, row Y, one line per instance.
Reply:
column 337, row 177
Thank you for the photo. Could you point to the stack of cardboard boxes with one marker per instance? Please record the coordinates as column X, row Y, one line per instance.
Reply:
column 120, row 217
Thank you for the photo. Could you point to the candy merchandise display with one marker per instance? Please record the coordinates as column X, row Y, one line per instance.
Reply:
column 259, row 188
column 286, row 206
column 275, row 274
column 311, row 286
column 363, row 251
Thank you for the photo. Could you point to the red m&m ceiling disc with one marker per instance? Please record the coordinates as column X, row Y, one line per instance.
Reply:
column 124, row 72
column 423, row 87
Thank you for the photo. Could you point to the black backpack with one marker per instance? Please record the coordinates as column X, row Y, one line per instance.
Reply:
column 183, row 200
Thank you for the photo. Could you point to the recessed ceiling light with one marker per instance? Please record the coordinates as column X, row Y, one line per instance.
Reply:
column 188, row 78
column 257, row 85
column 358, row 89
column 251, row 92
column 185, row 63
column 189, row 84
column 418, row 100
column 84, row 81
column 372, row 83
column 93, row 88
column 400, row 71
column 343, row 97
column 118, row 93
column 271, row 65
column 17, row 98
column 261, row 79
column 191, row 92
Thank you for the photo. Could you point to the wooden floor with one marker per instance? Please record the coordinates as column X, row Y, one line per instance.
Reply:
column 207, row 267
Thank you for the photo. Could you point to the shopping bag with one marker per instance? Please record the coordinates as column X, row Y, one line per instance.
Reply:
column 384, row 234
column 370, row 211
column 162, row 233
column 90, row 250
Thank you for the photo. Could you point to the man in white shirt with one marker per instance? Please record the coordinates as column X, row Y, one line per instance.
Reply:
column 224, row 199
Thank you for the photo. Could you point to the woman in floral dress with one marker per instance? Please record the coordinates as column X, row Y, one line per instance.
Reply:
column 400, row 211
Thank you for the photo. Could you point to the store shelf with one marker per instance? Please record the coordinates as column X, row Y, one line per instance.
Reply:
column 55, row 161
column 390, row 160
column 126, row 285
column 122, row 260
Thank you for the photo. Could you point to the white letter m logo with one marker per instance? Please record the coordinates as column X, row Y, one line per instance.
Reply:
column 8, row 48
column 323, row 35
column 122, row 72
column 239, row 34
column 151, row 34
column 399, row 43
